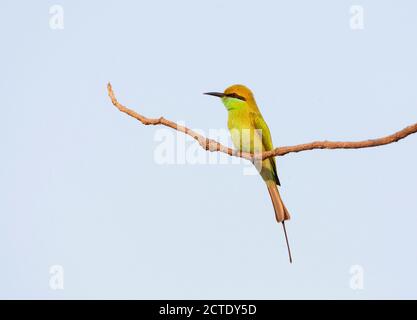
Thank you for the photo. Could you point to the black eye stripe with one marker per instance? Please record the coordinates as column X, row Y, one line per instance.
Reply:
column 236, row 96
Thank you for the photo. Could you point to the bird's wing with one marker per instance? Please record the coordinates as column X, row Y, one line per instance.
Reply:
column 260, row 124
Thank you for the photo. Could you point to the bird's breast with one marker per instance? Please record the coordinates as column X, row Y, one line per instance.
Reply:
column 242, row 132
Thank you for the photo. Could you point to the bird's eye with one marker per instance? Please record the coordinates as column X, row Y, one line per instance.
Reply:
column 236, row 96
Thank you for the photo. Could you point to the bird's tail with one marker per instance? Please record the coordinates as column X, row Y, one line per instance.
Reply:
column 281, row 212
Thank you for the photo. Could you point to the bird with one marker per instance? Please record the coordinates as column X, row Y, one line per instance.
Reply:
column 250, row 133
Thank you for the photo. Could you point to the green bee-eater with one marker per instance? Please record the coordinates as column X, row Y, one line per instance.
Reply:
column 248, row 130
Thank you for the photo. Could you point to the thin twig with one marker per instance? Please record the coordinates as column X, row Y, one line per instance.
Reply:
column 212, row 145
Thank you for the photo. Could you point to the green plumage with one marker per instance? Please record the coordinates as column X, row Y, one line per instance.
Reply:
column 250, row 133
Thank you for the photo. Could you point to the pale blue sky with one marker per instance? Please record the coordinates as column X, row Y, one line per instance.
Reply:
column 79, row 186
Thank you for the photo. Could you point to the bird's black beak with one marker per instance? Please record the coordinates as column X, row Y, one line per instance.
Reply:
column 216, row 94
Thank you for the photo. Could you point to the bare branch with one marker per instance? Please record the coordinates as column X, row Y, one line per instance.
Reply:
column 212, row 145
